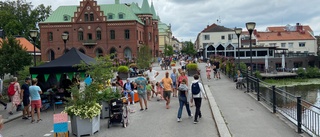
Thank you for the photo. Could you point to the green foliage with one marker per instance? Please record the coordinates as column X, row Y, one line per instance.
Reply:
column 100, row 72
column 123, row 69
column 144, row 57
column 107, row 94
column 192, row 66
column 19, row 17
column 243, row 67
column 168, row 50
column 22, row 74
column 258, row 74
column 312, row 72
column 13, row 57
column 188, row 48
column 301, row 73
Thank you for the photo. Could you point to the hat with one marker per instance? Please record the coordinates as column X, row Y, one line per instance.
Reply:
column 27, row 79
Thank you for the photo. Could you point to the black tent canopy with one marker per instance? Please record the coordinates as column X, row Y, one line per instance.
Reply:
column 63, row 64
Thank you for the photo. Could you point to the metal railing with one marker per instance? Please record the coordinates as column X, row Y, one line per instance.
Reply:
column 303, row 114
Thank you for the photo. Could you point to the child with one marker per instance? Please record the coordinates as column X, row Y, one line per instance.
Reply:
column 159, row 91
column 208, row 70
column 215, row 72
column 149, row 89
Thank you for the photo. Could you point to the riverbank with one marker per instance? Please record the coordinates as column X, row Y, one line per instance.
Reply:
column 289, row 82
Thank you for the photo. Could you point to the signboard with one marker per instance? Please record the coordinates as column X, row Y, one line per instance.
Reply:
column 60, row 123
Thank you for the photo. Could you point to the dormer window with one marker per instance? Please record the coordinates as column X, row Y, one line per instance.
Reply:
column 110, row 16
column 121, row 15
column 66, row 17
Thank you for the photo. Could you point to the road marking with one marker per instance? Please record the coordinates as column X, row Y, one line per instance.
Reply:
column 46, row 135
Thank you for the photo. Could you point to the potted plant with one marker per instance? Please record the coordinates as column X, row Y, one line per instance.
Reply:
column 192, row 69
column 105, row 97
column 123, row 72
column 84, row 108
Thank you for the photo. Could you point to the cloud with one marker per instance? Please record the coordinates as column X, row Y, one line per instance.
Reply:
column 189, row 17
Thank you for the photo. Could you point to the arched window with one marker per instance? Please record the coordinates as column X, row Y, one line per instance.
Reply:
column 80, row 34
column 110, row 16
column 99, row 52
column 113, row 52
column 121, row 16
column 210, row 48
column 50, row 36
column 98, row 33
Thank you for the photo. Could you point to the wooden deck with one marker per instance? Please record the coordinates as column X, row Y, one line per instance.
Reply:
column 278, row 75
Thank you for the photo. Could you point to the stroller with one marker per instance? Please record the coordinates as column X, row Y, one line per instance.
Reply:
column 118, row 113
column 240, row 83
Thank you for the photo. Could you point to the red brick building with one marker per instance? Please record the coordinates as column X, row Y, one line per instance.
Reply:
column 97, row 30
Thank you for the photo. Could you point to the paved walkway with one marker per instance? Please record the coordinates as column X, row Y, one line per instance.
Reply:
column 244, row 116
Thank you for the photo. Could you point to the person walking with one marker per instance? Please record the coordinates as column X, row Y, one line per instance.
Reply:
column 197, row 93
column 141, row 88
column 174, row 77
column 217, row 64
column 15, row 99
column 152, row 74
column 208, row 70
column 128, row 89
column 35, row 92
column 183, row 99
column 180, row 78
column 25, row 94
column 167, row 84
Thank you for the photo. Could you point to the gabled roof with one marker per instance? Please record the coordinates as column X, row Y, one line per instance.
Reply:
column 216, row 28
column 65, row 63
column 115, row 9
column 163, row 28
column 25, row 44
column 145, row 9
column 283, row 36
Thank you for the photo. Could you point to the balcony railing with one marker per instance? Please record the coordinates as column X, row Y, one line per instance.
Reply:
column 89, row 42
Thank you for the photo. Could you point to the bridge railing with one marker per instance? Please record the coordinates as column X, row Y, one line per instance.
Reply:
column 302, row 113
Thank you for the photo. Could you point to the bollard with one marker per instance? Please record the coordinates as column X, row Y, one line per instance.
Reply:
column 299, row 114
column 258, row 90
column 274, row 105
column 247, row 82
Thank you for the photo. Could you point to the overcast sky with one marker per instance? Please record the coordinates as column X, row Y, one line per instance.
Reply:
column 189, row 17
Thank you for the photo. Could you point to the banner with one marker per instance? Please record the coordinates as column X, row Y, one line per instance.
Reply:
column 82, row 74
column 34, row 75
column 46, row 76
column 70, row 75
column 58, row 76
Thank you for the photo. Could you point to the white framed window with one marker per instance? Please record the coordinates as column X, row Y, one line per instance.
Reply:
column 302, row 44
column 206, row 37
column 222, row 37
column 283, row 45
column 272, row 44
column 290, row 45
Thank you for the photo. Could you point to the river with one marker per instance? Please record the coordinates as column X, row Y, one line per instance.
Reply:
column 310, row 93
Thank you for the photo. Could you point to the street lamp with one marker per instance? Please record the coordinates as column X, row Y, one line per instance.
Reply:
column 65, row 37
column 238, row 33
column 250, row 27
column 34, row 35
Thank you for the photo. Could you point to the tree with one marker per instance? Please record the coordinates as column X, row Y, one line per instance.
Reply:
column 188, row 48
column 18, row 17
column 13, row 57
column 144, row 57
column 168, row 50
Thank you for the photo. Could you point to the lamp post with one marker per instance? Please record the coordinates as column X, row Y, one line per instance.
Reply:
column 250, row 27
column 65, row 37
column 33, row 35
column 238, row 33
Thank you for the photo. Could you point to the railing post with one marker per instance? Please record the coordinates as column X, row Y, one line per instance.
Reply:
column 274, row 105
column 247, row 81
column 299, row 115
column 258, row 90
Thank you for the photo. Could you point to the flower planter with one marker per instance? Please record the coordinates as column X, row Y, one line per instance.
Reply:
column 123, row 75
column 81, row 127
column 105, row 110
column 192, row 72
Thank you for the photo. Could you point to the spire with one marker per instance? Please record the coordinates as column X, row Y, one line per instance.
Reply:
column 145, row 7
column 153, row 11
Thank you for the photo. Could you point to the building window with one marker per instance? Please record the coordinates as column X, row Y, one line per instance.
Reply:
column 127, row 34
column 302, row 44
column 112, row 34
column 283, row 45
column 80, row 35
column 65, row 17
column 89, row 36
column 149, row 36
column 110, row 16
column 137, row 36
column 86, row 17
column 99, row 35
column 50, row 36
column 99, row 52
column 206, row 37
column 120, row 16
column 272, row 44
column 290, row 45
column 140, row 35
column 222, row 37
column 91, row 17
column 230, row 36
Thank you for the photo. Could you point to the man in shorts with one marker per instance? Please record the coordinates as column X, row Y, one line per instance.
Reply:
column 141, row 88
column 25, row 98
column 167, row 84
column 152, row 74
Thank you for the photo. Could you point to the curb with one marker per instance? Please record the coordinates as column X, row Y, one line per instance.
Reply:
column 11, row 118
column 221, row 124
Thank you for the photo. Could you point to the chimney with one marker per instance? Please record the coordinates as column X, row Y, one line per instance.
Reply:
column 279, row 33
column 255, row 32
column 117, row 1
column 299, row 27
column 207, row 26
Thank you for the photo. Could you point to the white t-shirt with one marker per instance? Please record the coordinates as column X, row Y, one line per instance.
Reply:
column 208, row 65
column 183, row 63
column 151, row 75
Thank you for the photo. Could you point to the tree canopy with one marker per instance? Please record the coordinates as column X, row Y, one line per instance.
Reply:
column 168, row 50
column 144, row 57
column 18, row 17
column 13, row 57
column 188, row 48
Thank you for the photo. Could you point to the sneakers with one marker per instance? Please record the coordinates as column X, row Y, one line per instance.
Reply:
column 26, row 118
column 179, row 119
column 200, row 116
column 195, row 121
column 191, row 116
column 10, row 113
column 5, row 107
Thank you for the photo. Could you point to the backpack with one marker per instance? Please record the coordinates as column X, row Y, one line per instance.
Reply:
column 195, row 89
column 11, row 90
